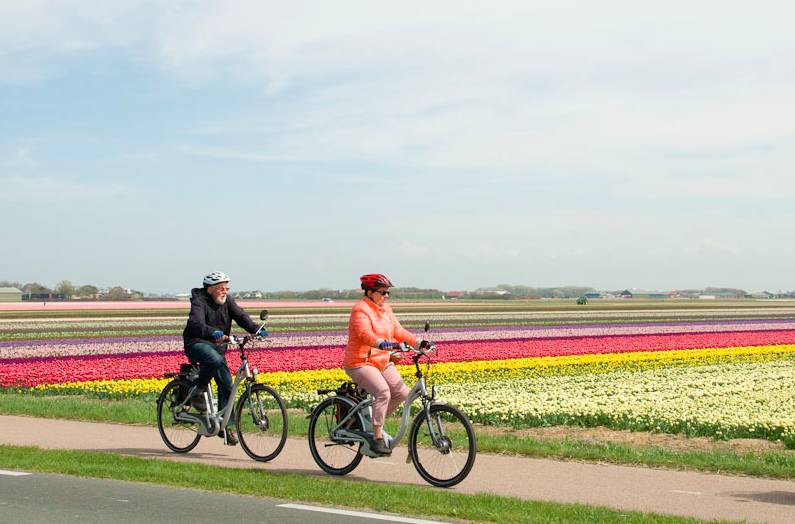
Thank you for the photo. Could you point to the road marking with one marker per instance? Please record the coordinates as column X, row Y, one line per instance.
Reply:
column 374, row 516
column 686, row 492
column 13, row 473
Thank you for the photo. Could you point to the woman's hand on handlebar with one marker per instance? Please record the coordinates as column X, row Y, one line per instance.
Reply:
column 427, row 346
column 386, row 345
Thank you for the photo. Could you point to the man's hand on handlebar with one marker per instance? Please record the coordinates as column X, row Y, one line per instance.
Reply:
column 218, row 336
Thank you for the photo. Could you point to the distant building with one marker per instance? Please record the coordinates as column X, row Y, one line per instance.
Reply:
column 455, row 294
column 10, row 294
column 645, row 294
column 593, row 294
column 761, row 295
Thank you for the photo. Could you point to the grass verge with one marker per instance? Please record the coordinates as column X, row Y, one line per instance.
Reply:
column 411, row 500
column 772, row 464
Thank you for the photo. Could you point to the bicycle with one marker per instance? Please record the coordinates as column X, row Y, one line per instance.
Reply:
column 260, row 416
column 441, row 439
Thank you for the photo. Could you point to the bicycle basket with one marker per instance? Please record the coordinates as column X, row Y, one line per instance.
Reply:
column 188, row 371
column 352, row 391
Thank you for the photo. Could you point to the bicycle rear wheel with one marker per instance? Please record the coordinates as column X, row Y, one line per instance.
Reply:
column 334, row 456
column 442, row 446
column 180, row 436
column 261, row 420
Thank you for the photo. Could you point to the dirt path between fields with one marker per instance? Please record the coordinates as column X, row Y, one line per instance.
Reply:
column 702, row 495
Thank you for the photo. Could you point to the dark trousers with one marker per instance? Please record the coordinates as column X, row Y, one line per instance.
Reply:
column 213, row 365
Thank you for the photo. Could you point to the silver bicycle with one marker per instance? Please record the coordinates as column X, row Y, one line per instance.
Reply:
column 441, row 439
column 260, row 415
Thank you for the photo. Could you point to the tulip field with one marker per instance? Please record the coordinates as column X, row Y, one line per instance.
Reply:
column 724, row 371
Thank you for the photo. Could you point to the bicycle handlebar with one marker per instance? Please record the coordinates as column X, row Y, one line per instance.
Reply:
column 242, row 341
column 402, row 347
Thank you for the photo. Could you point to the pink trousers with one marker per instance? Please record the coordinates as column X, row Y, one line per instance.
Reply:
column 387, row 389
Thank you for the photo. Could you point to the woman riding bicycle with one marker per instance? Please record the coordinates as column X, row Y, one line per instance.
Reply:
column 371, row 331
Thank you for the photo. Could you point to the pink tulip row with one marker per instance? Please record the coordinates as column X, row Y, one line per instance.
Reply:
column 27, row 372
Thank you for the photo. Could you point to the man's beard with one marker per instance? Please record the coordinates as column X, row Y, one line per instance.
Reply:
column 220, row 300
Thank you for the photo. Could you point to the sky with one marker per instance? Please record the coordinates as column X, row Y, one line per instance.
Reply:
column 450, row 145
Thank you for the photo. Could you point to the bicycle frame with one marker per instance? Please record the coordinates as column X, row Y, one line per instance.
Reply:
column 214, row 421
column 364, row 407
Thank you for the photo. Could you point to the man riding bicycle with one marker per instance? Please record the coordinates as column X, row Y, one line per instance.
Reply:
column 206, row 334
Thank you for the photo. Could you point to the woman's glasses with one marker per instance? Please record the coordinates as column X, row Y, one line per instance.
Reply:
column 383, row 293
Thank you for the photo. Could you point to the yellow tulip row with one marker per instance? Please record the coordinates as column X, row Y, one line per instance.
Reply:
column 304, row 383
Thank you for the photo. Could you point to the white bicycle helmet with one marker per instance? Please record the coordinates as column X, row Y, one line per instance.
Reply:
column 215, row 277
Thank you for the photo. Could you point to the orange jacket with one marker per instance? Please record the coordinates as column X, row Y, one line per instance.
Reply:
column 368, row 325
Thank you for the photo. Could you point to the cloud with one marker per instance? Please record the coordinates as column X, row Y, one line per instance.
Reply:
column 713, row 246
column 49, row 189
column 21, row 158
column 453, row 85
column 229, row 153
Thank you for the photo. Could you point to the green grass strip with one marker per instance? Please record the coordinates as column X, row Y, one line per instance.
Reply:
column 386, row 497
column 769, row 464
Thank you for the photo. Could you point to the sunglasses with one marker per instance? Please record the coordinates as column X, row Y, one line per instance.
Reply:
column 383, row 293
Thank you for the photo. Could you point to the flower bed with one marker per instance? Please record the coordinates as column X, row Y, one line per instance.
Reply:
column 720, row 373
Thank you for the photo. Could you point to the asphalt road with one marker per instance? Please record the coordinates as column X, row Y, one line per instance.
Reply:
column 687, row 493
column 37, row 498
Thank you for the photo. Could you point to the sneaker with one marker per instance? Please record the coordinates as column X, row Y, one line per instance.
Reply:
column 380, row 447
column 231, row 438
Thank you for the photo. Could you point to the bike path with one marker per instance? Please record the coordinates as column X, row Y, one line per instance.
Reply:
column 701, row 495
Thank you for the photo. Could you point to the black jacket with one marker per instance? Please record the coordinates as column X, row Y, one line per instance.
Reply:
column 206, row 316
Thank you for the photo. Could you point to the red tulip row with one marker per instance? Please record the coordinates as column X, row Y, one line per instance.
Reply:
column 57, row 370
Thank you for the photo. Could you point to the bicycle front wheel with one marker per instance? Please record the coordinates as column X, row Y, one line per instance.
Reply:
column 180, row 436
column 442, row 446
column 261, row 420
column 334, row 456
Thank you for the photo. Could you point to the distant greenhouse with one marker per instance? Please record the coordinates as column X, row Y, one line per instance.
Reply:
column 10, row 294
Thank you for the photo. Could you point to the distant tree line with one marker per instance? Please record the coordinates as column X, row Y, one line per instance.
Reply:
column 65, row 290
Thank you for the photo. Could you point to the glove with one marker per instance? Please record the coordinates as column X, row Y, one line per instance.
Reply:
column 217, row 334
column 262, row 333
column 385, row 344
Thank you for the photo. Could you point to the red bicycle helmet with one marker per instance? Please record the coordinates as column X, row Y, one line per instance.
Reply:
column 375, row 280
